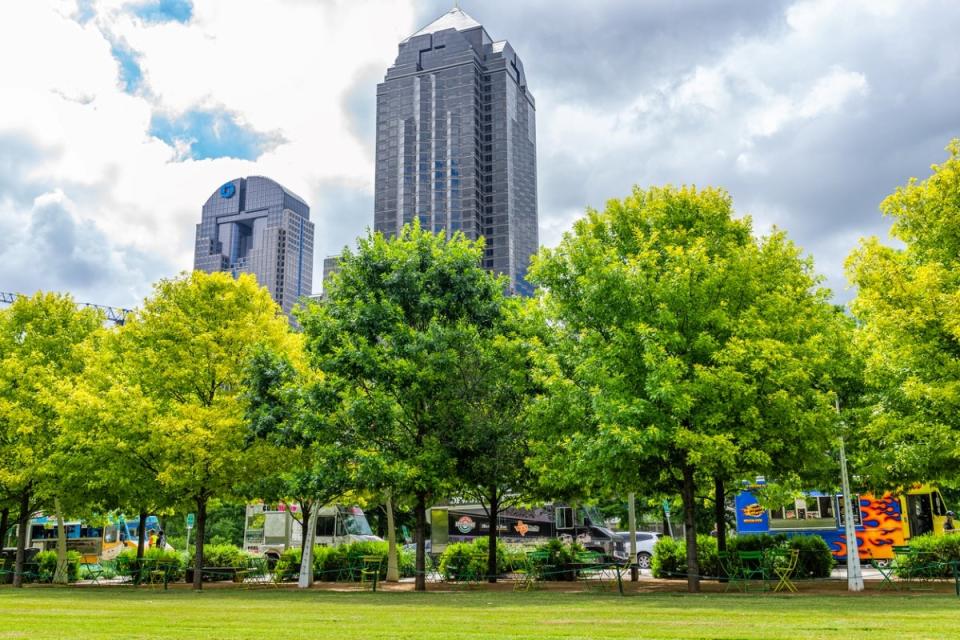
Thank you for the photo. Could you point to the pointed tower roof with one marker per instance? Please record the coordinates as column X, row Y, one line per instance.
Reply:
column 456, row 18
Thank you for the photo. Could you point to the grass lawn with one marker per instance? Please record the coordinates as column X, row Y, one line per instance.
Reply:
column 232, row 613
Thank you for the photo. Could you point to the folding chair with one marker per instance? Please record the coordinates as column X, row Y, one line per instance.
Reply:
column 785, row 568
column 370, row 571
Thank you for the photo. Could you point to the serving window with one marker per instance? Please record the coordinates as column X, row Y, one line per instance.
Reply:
column 808, row 512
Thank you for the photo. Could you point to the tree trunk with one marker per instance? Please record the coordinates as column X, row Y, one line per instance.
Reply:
column 306, row 554
column 141, row 534
column 420, row 581
column 393, row 568
column 492, row 536
column 306, row 508
column 4, row 523
column 22, row 522
column 198, row 545
column 60, row 574
column 719, row 514
column 690, row 522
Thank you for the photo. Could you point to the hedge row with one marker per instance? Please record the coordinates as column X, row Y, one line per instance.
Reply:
column 469, row 559
column 332, row 563
column 670, row 556
column 935, row 555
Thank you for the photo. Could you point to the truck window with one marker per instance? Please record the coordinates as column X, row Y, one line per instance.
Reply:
column 325, row 526
column 564, row 517
column 939, row 509
column 807, row 512
column 855, row 508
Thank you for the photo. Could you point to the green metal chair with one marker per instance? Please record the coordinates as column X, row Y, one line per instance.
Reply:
column 92, row 572
column 887, row 569
column 531, row 573
column 752, row 567
column 730, row 568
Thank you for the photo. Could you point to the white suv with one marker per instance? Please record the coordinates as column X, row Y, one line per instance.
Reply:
column 645, row 542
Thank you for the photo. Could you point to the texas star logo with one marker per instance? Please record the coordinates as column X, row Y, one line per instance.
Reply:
column 521, row 528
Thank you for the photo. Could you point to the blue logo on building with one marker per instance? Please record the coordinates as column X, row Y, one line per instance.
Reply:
column 227, row 190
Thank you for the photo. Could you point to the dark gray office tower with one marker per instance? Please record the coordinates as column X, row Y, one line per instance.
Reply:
column 254, row 225
column 456, row 143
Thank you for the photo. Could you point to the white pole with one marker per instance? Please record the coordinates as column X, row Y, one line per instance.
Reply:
column 632, row 525
column 854, row 574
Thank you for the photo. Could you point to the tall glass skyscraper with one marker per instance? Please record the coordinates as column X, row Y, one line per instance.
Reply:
column 254, row 225
column 456, row 143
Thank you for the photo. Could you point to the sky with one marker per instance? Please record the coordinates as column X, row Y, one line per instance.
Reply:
column 119, row 118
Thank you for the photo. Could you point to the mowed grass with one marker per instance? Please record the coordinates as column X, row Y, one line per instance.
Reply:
column 222, row 613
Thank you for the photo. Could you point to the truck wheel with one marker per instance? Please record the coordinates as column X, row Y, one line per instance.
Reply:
column 643, row 560
column 272, row 561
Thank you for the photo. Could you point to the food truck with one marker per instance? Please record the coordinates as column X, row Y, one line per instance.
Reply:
column 525, row 525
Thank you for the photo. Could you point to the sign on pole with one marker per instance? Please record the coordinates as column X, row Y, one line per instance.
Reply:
column 666, row 506
column 190, row 521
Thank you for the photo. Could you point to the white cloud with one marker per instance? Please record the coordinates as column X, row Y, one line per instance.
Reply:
column 280, row 67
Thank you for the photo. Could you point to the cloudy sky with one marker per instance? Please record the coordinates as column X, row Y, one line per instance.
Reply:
column 119, row 118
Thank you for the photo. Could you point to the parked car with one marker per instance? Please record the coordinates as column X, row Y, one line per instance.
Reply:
column 645, row 542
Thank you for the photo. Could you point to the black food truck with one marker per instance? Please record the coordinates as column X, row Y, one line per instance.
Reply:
column 525, row 525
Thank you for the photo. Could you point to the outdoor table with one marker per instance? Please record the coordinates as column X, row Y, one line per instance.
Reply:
column 600, row 566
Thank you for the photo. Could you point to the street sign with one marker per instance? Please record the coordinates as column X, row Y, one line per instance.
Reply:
column 666, row 507
column 190, row 519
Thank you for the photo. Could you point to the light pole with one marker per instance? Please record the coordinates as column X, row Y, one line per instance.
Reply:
column 854, row 575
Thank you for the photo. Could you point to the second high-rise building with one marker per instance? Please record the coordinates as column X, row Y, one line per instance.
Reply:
column 456, row 143
column 255, row 225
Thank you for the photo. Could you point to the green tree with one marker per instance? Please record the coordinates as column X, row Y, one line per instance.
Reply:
column 108, row 439
column 288, row 408
column 494, row 381
column 390, row 331
column 698, row 350
column 183, row 359
column 908, row 312
column 40, row 357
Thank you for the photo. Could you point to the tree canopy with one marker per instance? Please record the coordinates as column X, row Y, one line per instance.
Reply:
column 182, row 360
column 908, row 312
column 395, row 322
column 41, row 357
column 700, row 349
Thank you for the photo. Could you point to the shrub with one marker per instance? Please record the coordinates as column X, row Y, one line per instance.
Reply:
column 815, row 559
column 331, row 563
column 222, row 555
column 514, row 555
column 559, row 556
column 174, row 559
column 936, row 552
column 47, row 564
column 670, row 557
column 463, row 559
